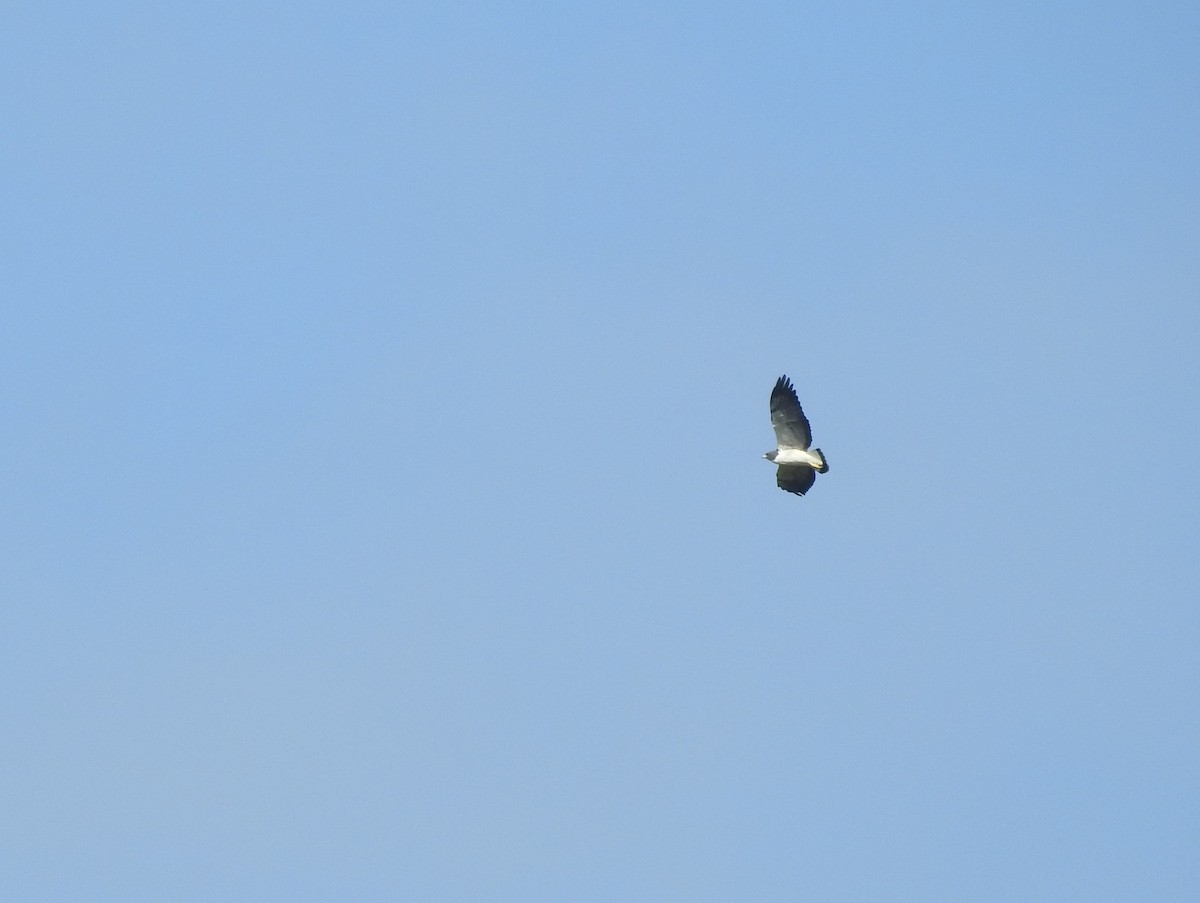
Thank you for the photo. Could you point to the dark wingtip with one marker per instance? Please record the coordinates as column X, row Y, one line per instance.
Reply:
column 783, row 384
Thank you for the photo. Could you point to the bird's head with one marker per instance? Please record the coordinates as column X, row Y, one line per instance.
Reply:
column 770, row 456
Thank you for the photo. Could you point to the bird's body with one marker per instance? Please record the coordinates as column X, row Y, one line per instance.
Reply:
column 796, row 456
column 798, row 466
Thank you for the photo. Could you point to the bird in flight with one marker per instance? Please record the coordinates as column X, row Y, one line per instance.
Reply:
column 797, row 465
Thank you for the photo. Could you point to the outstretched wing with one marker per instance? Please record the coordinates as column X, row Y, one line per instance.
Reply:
column 791, row 426
column 795, row 478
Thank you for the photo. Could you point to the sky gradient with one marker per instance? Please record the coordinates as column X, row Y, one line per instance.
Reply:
column 385, row 387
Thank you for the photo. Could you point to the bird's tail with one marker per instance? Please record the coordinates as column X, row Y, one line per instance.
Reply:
column 824, row 468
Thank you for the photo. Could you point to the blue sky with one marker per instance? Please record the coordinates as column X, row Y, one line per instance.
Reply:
column 384, row 390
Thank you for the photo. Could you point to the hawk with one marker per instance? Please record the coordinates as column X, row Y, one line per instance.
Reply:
column 797, row 465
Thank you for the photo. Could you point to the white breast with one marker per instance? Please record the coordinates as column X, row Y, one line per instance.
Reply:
column 797, row 456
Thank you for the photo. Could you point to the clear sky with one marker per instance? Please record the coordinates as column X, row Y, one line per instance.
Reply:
column 384, row 390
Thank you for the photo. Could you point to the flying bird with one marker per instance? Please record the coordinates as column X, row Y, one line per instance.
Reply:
column 797, row 465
